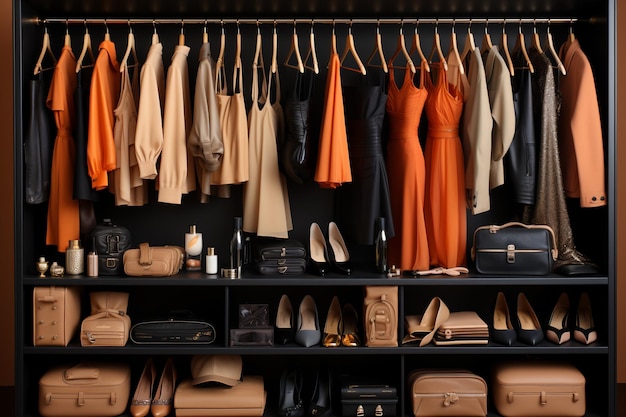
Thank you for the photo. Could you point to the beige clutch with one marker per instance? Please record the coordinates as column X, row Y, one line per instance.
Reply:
column 153, row 261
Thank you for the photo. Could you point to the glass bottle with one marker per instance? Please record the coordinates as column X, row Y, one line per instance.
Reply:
column 193, row 249
column 74, row 258
column 236, row 247
column 381, row 247
column 211, row 261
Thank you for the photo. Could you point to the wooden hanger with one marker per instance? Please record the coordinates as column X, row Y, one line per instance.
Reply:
column 68, row 40
column 401, row 48
column 181, row 36
column 470, row 44
column 107, row 35
column 155, row 35
column 274, row 62
column 46, row 50
column 333, row 40
column 205, row 35
column 437, row 48
column 220, row 56
column 130, row 50
column 454, row 50
column 378, row 51
column 294, row 49
column 536, row 41
column 86, row 50
column 311, row 53
column 571, row 37
column 350, row 48
column 238, row 48
column 520, row 45
column 417, row 47
column 258, row 47
column 504, row 45
column 553, row 53
column 486, row 43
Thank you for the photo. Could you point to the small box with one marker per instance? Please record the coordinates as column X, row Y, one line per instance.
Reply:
column 254, row 316
column 368, row 399
column 251, row 337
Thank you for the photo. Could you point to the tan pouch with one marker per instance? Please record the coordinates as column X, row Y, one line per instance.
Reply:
column 447, row 393
column 108, row 324
column 56, row 315
column 153, row 261
column 463, row 327
column 246, row 399
column 380, row 315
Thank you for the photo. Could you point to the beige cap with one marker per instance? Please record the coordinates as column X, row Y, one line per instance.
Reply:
column 224, row 369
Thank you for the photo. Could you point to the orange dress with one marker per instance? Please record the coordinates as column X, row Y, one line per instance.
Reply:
column 406, row 170
column 63, row 214
column 333, row 160
column 445, row 174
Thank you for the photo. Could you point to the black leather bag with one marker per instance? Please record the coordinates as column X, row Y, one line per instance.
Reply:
column 514, row 249
column 180, row 328
column 286, row 267
column 279, row 256
column 111, row 243
column 368, row 399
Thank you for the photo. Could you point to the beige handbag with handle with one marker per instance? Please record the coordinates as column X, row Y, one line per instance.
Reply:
column 108, row 324
column 153, row 261
column 380, row 315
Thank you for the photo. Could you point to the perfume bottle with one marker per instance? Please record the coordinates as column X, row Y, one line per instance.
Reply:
column 92, row 260
column 381, row 247
column 211, row 261
column 193, row 249
column 236, row 247
column 74, row 258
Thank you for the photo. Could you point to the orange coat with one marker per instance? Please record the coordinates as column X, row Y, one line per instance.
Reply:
column 103, row 97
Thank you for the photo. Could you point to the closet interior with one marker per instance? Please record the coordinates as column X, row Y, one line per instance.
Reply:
column 368, row 35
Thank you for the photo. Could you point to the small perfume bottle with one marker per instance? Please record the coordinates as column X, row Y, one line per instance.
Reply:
column 74, row 258
column 381, row 247
column 92, row 260
column 236, row 247
column 193, row 249
column 211, row 261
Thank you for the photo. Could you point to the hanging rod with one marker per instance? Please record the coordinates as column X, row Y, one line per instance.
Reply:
column 197, row 21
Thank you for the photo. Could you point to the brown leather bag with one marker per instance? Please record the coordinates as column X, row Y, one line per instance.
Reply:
column 108, row 324
column 380, row 315
column 447, row 393
column 56, row 315
column 153, row 261
column 98, row 389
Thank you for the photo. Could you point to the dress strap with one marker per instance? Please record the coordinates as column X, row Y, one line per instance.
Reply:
column 422, row 71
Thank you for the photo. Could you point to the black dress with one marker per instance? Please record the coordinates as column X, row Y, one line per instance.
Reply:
column 38, row 141
column 82, row 180
column 361, row 202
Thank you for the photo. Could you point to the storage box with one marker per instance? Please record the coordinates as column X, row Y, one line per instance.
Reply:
column 251, row 337
column 538, row 389
column 96, row 389
column 368, row 400
column 447, row 393
column 245, row 399
column 56, row 315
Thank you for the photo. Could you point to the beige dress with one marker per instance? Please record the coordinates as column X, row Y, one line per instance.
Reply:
column 232, row 116
column 266, row 209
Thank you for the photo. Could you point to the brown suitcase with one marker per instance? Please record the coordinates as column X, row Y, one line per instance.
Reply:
column 245, row 399
column 108, row 324
column 447, row 393
column 538, row 389
column 95, row 389
column 56, row 315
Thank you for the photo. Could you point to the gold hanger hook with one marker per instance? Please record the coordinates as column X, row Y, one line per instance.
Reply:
column 312, row 23
column 503, row 26
column 549, row 21
column 377, row 26
column 469, row 27
column 401, row 26
column 486, row 26
column 275, row 26
column 85, row 23
column 105, row 26
column 206, row 21
column 154, row 26
column 417, row 23
column 436, row 26
column 258, row 27
column 294, row 26
column 130, row 28
column 350, row 27
column 182, row 26
column 453, row 25
column 571, row 26
column 520, row 26
column 534, row 25
column 238, row 29
column 67, row 28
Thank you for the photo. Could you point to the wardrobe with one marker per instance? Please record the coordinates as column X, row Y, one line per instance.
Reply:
column 592, row 21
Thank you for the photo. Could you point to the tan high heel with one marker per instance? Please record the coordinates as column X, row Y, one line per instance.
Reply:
column 350, row 319
column 332, row 328
column 585, row 331
column 140, row 404
column 164, row 396
column 284, row 321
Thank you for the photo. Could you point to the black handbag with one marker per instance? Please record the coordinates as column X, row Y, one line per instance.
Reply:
column 514, row 249
column 180, row 328
column 111, row 242
column 368, row 399
column 279, row 256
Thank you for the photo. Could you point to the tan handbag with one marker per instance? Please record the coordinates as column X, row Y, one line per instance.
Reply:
column 153, row 261
column 56, row 315
column 108, row 324
column 96, row 389
column 447, row 393
column 380, row 315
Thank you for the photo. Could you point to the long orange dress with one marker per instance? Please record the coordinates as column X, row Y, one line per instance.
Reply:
column 445, row 207
column 63, row 213
column 333, row 160
column 406, row 170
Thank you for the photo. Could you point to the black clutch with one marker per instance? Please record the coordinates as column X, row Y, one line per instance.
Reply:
column 176, row 330
column 268, row 249
column 286, row 267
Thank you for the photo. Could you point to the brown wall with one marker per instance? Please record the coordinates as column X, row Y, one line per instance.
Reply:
column 7, row 325
column 621, row 194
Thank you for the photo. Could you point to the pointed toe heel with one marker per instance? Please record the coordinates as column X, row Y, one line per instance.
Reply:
column 140, row 404
column 502, row 331
column 333, row 325
column 308, row 328
column 529, row 330
column 284, row 329
column 290, row 394
column 164, row 396
column 350, row 336
column 318, row 251
column 558, row 330
column 585, row 331
column 339, row 256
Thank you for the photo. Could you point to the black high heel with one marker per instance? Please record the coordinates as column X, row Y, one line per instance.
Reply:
column 558, row 330
column 529, row 330
column 290, row 389
column 320, row 400
column 284, row 332
column 584, row 330
column 339, row 256
column 318, row 252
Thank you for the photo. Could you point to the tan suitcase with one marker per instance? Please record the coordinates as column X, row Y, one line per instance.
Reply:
column 95, row 389
column 244, row 399
column 56, row 315
column 447, row 393
column 108, row 324
column 538, row 389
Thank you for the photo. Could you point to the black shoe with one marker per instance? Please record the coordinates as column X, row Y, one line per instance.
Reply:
column 318, row 252
column 339, row 256
column 290, row 389
column 284, row 327
column 529, row 330
column 502, row 330
column 320, row 400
